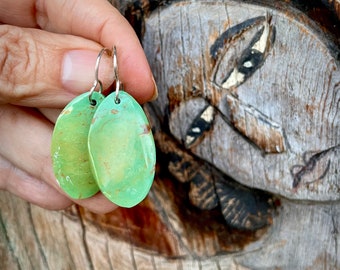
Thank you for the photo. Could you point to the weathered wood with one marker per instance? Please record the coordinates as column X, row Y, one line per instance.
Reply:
column 292, row 94
column 277, row 126
column 34, row 238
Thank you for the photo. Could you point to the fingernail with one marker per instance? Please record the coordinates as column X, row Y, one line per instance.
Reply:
column 155, row 94
column 78, row 70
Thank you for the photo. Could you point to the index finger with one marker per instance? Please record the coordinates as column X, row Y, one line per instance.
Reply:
column 95, row 20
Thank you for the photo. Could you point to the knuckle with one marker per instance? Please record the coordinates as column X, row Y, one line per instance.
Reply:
column 17, row 63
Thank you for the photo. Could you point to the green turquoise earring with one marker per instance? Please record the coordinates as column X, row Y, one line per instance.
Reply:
column 104, row 144
column 69, row 150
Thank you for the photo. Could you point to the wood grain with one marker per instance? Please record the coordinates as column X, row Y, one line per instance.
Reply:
column 34, row 238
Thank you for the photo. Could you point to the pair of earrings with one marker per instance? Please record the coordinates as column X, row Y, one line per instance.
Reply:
column 104, row 143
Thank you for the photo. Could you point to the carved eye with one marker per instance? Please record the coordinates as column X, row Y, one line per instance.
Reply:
column 232, row 71
column 191, row 121
column 201, row 124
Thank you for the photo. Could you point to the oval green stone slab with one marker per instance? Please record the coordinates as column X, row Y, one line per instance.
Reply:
column 69, row 150
column 122, row 150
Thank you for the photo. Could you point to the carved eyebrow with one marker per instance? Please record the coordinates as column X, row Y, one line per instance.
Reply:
column 201, row 124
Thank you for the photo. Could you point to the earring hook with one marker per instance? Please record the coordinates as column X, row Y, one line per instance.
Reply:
column 116, row 74
column 96, row 75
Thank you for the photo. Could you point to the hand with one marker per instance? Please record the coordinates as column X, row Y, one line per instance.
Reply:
column 48, row 51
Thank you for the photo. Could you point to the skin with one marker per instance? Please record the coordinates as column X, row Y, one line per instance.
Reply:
column 35, row 36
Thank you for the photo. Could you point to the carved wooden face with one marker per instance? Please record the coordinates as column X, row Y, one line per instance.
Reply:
column 242, row 95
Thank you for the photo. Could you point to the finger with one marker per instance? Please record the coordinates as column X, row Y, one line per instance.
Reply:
column 26, row 132
column 20, row 13
column 29, row 188
column 42, row 69
column 94, row 20
column 50, row 114
column 108, row 27
column 98, row 204
column 26, row 140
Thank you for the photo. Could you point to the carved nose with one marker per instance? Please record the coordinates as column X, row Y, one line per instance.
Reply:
column 254, row 125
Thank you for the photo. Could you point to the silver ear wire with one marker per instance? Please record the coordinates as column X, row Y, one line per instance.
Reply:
column 97, row 81
column 116, row 74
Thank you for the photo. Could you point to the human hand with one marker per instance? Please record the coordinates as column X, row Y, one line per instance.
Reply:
column 48, row 51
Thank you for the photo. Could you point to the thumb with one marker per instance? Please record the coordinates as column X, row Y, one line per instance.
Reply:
column 43, row 69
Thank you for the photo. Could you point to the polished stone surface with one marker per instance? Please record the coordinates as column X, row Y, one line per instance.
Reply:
column 122, row 150
column 69, row 148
